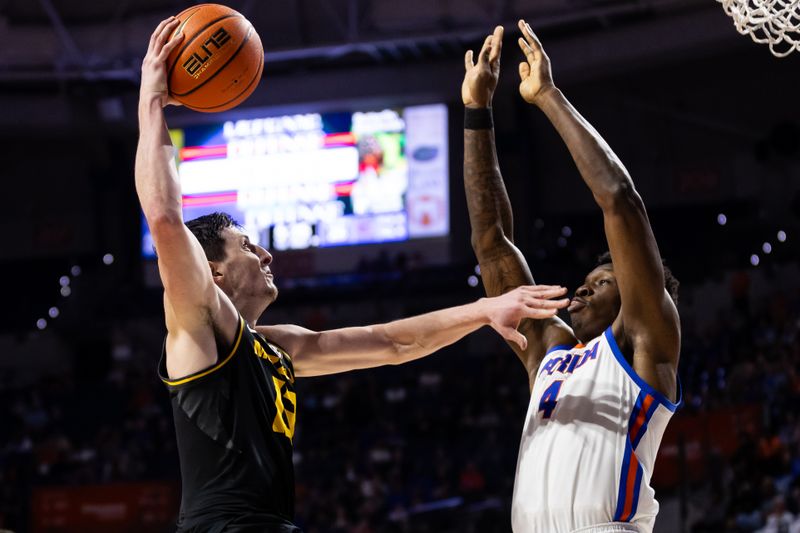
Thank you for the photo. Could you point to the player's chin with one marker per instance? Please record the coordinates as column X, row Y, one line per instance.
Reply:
column 272, row 292
column 575, row 316
column 579, row 320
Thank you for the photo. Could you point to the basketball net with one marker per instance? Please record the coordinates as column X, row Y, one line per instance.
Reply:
column 775, row 22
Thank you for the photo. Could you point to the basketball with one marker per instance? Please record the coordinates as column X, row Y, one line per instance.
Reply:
column 220, row 61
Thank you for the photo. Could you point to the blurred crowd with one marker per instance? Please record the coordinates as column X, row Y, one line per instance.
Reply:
column 65, row 430
column 750, row 355
column 430, row 446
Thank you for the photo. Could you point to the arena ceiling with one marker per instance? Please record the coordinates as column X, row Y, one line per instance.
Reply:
column 57, row 40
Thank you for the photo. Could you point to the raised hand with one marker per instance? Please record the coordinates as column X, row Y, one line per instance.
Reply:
column 536, row 78
column 480, row 79
column 154, row 68
column 505, row 312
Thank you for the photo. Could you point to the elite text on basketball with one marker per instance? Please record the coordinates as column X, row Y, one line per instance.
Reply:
column 204, row 56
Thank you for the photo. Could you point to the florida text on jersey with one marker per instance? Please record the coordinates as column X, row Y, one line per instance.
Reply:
column 589, row 443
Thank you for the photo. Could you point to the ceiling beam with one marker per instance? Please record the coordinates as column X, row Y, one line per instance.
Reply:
column 72, row 54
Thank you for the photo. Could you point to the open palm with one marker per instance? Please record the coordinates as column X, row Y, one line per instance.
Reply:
column 527, row 301
column 480, row 79
column 535, row 75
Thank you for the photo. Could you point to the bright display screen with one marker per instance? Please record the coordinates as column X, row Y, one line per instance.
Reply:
column 320, row 180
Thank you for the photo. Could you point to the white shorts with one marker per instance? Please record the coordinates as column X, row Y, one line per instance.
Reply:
column 611, row 527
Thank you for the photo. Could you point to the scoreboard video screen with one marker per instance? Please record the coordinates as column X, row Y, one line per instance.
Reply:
column 319, row 180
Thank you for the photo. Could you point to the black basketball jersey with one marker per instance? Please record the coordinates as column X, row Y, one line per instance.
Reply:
column 234, row 424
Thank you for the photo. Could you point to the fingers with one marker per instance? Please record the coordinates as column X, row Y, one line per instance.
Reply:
column 483, row 56
column 524, row 70
column 543, row 291
column 538, row 303
column 163, row 36
column 538, row 308
column 167, row 31
column 545, row 301
column 496, row 44
column 540, row 298
column 542, row 286
column 468, row 63
column 530, row 37
column 158, row 29
column 170, row 46
column 530, row 56
column 512, row 335
column 490, row 50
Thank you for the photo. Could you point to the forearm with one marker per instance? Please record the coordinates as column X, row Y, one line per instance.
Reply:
column 157, row 183
column 502, row 265
column 487, row 200
column 415, row 337
column 599, row 167
column 392, row 343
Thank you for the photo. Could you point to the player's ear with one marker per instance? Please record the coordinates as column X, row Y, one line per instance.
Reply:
column 216, row 272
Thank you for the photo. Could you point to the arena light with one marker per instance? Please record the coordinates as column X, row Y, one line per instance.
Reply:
column 63, row 281
column 781, row 236
column 766, row 248
column 53, row 312
column 66, row 291
column 41, row 323
column 75, row 270
column 722, row 219
column 108, row 259
column 566, row 231
column 477, row 270
column 472, row 281
column 755, row 260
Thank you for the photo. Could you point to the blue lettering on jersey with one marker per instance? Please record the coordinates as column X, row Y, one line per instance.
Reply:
column 570, row 362
column 588, row 355
column 550, row 365
column 565, row 362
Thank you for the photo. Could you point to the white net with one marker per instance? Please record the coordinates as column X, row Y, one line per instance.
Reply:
column 775, row 22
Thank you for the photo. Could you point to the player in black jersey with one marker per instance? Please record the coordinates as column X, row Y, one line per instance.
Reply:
column 231, row 382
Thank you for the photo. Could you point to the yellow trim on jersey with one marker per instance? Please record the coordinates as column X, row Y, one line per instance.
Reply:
column 215, row 367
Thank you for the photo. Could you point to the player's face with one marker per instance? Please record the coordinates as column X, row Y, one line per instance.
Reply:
column 246, row 272
column 596, row 303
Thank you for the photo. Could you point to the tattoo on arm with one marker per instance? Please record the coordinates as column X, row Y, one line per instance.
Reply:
column 487, row 198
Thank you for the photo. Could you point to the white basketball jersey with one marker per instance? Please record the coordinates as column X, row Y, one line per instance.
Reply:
column 589, row 443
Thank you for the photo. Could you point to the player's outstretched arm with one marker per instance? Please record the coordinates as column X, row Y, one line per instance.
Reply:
column 649, row 318
column 191, row 300
column 400, row 341
column 502, row 265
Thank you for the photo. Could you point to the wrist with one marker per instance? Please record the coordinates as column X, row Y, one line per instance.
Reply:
column 478, row 118
column 149, row 105
column 481, row 311
column 150, row 100
column 547, row 96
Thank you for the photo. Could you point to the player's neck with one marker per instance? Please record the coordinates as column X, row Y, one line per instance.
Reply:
column 251, row 311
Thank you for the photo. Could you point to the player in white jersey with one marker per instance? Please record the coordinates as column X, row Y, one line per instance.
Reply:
column 602, row 390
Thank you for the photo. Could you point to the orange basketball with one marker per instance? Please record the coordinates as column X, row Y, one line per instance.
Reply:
column 219, row 63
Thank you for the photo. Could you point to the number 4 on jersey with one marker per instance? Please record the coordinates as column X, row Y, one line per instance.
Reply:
column 550, row 398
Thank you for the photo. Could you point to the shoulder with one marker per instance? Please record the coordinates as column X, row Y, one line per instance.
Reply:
column 543, row 337
column 289, row 337
column 650, row 355
column 283, row 330
column 220, row 319
column 200, row 337
column 656, row 341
